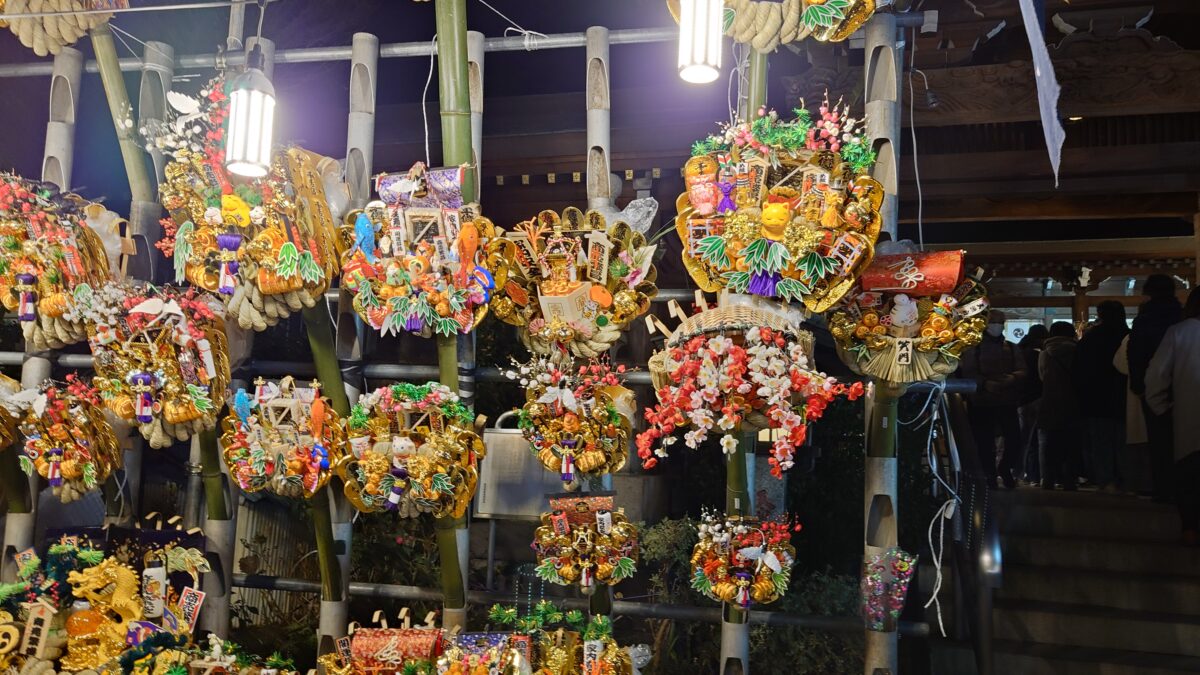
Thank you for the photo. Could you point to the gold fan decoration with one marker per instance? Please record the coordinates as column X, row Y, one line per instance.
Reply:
column 418, row 261
column 571, row 284
column 48, row 256
column 783, row 210
column 912, row 318
column 577, row 421
column 160, row 356
column 284, row 439
column 413, row 449
column 68, row 440
column 269, row 247
column 584, row 541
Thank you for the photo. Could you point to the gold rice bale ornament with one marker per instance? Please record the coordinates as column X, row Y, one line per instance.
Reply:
column 585, row 541
column 911, row 317
column 577, row 420
column 282, row 438
column 269, row 246
column 573, row 283
column 766, row 25
column 742, row 561
column 67, row 438
column 419, row 259
column 161, row 358
column 783, row 210
column 412, row 449
column 48, row 256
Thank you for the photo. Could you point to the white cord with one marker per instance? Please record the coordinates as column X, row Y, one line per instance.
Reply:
column 912, row 128
column 741, row 59
column 936, row 390
column 943, row 514
column 529, row 37
column 425, row 94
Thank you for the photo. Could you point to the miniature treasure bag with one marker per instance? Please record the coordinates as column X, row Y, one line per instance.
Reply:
column 282, row 438
column 583, row 540
column 160, row 357
column 418, row 261
column 380, row 651
column 572, row 284
column 782, row 210
column 413, row 449
column 912, row 320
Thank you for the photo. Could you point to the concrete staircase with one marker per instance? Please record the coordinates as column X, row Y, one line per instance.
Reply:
column 1093, row 585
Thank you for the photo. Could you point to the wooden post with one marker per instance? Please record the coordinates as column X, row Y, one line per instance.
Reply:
column 1080, row 304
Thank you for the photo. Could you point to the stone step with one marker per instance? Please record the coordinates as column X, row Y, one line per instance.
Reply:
column 1120, row 590
column 1098, row 627
column 1102, row 555
column 1010, row 657
column 1087, row 520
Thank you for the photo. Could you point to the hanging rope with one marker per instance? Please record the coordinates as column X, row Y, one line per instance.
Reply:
column 529, row 37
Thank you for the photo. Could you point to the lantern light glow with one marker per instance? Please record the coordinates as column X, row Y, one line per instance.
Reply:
column 700, row 29
column 251, row 121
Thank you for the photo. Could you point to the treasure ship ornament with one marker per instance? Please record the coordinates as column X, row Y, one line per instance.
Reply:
column 417, row 261
column 782, row 209
column 266, row 247
column 160, row 357
column 48, row 254
column 67, row 438
column 742, row 561
column 572, row 284
column 577, row 420
column 282, row 438
column 412, row 449
column 911, row 317
column 585, row 542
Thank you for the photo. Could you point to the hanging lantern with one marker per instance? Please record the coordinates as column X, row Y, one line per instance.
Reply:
column 700, row 28
column 251, row 120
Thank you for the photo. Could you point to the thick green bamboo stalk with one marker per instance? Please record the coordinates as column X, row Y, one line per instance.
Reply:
column 455, row 103
column 601, row 601
column 214, row 483
column 756, row 90
column 118, row 105
column 737, row 503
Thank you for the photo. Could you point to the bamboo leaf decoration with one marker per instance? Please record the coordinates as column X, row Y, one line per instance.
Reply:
column 625, row 568
column 446, row 326
column 288, row 261
column 737, row 282
column 366, row 296
column 700, row 582
column 310, row 271
column 89, row 475
column 792, row 289
column 442, row 483
column 824, row 15
column 712, row 251
column 816, row 266
column 547, row 572
column 200, row 399
column 765, row 256
column 183, row 249
column 26, row 464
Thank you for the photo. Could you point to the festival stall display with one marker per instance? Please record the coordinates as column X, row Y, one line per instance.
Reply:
column 577, row 422
column 417, row 261
column 572, row 284
column 68, row 440
column 268, row 247
column 284, row 439
column 884, row 587
column 912, row 317
column 782, row 209
column 48, row 255
column 160, row 357
column 555, row 642
column 735, row 369
column 412, row 449
column 584, row 541
column 742, row 560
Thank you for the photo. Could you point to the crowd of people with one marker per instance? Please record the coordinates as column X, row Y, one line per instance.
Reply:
column 1116, row 408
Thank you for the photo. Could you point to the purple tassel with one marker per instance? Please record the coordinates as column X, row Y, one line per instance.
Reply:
column 414, row 324
column 27, row 307
column 763, row 283
column 229, row 244
column 143, row 401
column 398, row 475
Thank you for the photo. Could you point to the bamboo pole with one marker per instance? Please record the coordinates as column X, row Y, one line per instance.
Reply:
column 455, row 111
column 118, row 106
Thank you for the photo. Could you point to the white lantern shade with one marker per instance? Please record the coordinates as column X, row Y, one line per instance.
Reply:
column 250, row 132
column 700, row 28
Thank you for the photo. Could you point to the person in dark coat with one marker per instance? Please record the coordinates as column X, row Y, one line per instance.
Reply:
column 1058, row 409
column 999, row 373
column 1101, row 390
column 1031, row 349
column 1158, row 313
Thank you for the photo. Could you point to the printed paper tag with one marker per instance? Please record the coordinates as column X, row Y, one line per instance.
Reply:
column 904, row 352
column 189, row 605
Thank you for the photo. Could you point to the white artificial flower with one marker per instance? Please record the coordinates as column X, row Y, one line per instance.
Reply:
column 729, row 443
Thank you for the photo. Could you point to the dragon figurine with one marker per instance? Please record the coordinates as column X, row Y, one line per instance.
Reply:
column 93, row 636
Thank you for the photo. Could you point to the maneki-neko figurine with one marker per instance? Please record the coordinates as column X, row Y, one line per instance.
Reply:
column 268, row 247
column 412, row 449
column 584, row 541
column 577, row 420
column 160, row 357
column 282, row 438
column 742, row 561
column 68, row 440
column 417, row 260
column 572, row 284
column 47, row 253
column 911, row 317
column 782, row 209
